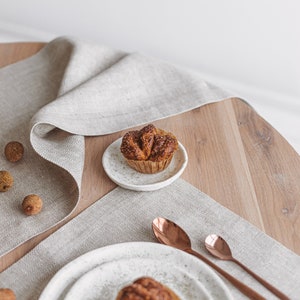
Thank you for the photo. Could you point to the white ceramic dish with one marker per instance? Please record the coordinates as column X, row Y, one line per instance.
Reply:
column 105, row 281
column 101, row 273
column 119, row 172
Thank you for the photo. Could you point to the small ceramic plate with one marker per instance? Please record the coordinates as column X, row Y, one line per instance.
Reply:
column 101, row 273
column 120, row 173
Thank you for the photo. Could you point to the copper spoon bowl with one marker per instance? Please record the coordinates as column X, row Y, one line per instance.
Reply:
column 169, row 233
column 218, row 247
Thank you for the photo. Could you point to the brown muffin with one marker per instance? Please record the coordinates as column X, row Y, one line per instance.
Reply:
column 146, row 288
column 149, row 150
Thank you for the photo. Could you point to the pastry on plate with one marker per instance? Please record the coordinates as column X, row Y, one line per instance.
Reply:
column 146, row 288
column 149, row 150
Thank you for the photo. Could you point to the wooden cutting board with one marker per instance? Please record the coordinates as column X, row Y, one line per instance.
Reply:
column 235, row 156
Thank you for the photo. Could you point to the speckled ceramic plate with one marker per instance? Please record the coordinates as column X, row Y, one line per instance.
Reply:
column 105, row 281
column 101, row 273
column 119, row 172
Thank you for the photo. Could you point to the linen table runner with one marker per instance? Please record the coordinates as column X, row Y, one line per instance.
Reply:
column 72, row 89
column 126, row 216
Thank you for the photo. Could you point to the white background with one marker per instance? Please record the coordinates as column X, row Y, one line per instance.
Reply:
column 250, row 47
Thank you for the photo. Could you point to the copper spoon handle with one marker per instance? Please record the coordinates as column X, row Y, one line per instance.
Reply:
column 238, row 284
column 270, row 287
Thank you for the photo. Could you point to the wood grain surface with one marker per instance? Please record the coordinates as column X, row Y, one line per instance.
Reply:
column 235, row 156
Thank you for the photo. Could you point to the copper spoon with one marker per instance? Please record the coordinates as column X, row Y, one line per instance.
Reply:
column 169, row 233
column 218, row 247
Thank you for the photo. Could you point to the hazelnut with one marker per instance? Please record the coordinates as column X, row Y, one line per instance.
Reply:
column 6, row 181
column 32, row 204
column 14, row 151
column 7, row 294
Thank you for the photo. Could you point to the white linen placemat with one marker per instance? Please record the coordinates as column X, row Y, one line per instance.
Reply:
column 126, row 216
column 70, row 89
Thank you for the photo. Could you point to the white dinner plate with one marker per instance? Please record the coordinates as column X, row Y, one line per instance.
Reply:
column 119, row 172
column 101, row 273
column 105, row 281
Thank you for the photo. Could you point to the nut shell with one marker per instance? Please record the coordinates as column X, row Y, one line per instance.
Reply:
column 14, row 151
column 7, row 294
column 6, row 181
column 32, row 205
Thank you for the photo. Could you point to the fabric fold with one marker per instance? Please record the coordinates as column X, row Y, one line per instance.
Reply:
column 72, row 89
